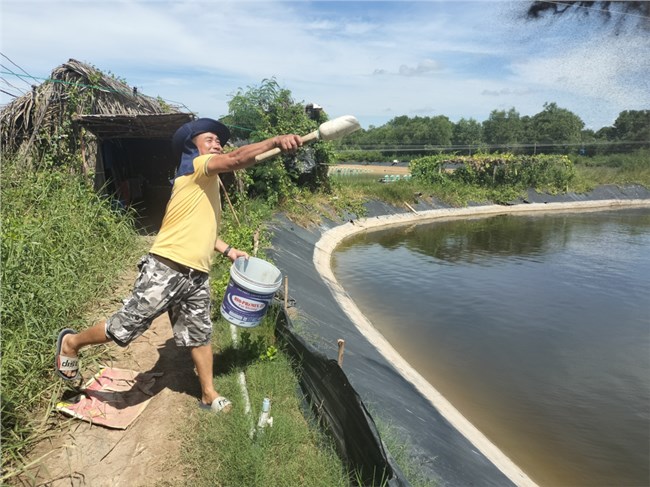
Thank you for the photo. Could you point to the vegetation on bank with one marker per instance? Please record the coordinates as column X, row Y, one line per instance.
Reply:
column 620, row 169
column 494, row 178
column 62, row 246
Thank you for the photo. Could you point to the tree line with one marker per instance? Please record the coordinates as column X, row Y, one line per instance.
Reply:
column 554, row 130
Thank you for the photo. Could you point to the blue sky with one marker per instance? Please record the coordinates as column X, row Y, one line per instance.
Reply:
column 373, row 59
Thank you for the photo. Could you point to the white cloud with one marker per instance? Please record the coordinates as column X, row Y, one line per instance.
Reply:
column 375, row 60
column 508, row 92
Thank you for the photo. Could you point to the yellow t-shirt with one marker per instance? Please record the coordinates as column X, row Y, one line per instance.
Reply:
column 189, row 229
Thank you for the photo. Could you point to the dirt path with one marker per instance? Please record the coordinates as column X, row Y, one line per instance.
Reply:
column 372, row 169
column 147, row 452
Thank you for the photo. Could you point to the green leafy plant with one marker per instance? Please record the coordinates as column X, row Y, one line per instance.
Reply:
column 544, row 172
column 263, row 111
column 270, row 354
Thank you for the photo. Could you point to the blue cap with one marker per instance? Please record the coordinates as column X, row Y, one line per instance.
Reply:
column 183, row 146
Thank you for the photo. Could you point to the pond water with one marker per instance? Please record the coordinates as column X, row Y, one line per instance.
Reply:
column 536, row 328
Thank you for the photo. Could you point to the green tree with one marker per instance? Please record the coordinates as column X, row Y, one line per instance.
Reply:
column 633, row 125
column 503, row 128
column 467, row 132
column 440, row 130
column 417, row 131
column 553, row 126
column 266, row 110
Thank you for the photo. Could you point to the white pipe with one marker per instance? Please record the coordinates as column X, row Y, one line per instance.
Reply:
column 242, row 380
column 265, row 416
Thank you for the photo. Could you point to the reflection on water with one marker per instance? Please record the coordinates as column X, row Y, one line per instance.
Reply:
column 537, row 328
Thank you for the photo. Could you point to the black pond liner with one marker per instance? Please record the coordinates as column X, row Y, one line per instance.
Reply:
column 341, row 411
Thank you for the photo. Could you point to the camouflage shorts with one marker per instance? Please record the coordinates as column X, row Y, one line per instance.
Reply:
column 158, row 288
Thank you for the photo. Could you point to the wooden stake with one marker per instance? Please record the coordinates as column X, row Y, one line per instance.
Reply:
column 256, row 242
column 411, row 208
column 286, row 291
column 341, row 344
column 229, row 203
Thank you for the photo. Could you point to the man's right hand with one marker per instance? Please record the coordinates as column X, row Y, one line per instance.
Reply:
column 288, row 143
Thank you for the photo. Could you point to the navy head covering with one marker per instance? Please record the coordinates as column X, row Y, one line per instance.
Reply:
column 184, row 147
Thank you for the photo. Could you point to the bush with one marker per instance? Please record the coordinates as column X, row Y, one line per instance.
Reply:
column 547, row 172
column 268, row 110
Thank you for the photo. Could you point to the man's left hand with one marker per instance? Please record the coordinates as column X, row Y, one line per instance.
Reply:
column 234, row 254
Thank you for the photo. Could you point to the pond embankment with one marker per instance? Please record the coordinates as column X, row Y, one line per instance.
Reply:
column 445, row 446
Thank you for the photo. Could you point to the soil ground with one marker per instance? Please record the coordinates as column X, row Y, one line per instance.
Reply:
column 372, row 169
column 147, row 453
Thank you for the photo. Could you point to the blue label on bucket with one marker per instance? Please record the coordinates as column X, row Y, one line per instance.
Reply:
column 242, row 307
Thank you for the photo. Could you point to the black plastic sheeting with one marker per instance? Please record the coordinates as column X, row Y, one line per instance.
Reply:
column 341, row 411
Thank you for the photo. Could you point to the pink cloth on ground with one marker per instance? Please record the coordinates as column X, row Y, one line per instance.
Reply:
column 113, row 398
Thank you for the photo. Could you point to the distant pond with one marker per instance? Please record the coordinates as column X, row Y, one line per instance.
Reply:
column 536, row 328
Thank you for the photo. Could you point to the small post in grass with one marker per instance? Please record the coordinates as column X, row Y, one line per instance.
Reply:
column 411, row 208
column 286, row 291
column 341, row 344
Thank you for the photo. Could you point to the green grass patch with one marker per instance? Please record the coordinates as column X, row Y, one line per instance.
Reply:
column 362, row 188
column 619, row 169
column 587, row 174
column 400, row 452
column 291, row 452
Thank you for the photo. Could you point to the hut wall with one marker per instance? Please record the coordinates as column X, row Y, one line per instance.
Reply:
column 137, row 173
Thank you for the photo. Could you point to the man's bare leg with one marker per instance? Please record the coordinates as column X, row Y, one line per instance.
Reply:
column 202, row 357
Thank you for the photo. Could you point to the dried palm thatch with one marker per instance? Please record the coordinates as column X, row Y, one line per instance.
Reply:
column 77, row 91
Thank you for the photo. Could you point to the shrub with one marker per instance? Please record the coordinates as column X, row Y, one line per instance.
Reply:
column 547, row 172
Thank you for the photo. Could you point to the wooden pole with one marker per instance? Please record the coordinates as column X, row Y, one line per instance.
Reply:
column 286, row 291
column 256, row 242
column 229, row 203
column 411, row 208
column 341, row 344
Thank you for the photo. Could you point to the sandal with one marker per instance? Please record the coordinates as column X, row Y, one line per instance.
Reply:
column 63, row 363
column 220, row 404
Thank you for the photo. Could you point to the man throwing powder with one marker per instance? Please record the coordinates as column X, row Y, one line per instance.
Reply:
column 174, row 274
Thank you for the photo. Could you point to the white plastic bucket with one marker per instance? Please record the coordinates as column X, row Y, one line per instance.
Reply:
column 253, row 283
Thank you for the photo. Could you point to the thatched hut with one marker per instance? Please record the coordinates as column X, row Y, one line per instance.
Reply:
column 97, row 124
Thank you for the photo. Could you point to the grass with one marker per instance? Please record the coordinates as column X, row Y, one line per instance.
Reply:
column 361, row 188
column 61, row 247
column 402, row 455
column 292, row 452
column 618, row 169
